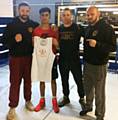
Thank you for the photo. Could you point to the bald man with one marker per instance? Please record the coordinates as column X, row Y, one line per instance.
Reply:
column 99, row 42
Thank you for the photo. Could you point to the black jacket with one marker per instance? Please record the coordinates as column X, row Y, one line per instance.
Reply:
column 69, row 40
column 104, row 34
column 23, row 48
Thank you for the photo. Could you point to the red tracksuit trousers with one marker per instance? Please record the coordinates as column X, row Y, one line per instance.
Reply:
column 20, row 68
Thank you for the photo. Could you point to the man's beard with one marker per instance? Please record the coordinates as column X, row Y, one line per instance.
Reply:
column 24, row 17
column 94, row 21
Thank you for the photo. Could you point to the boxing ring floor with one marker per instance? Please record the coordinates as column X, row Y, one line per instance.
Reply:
column 69, row 112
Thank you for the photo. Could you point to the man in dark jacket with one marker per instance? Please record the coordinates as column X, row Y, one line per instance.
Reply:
column 69, row 39
column 99, row 42
column 18, row 38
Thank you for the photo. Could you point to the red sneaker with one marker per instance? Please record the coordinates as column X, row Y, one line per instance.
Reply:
column 41, row 105
column 55, row 105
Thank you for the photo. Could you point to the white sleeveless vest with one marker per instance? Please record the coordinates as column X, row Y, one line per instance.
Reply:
column 43, row 58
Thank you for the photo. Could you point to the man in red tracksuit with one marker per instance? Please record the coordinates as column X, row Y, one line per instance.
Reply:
column 18, row 38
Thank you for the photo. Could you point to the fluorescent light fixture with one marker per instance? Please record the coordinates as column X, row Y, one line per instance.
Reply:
column 1, row 44
column 109, row 9
column 1, row 34
column 81, row 11
column 116, row 32
column 4, row 51
column 3, row 25
column 115, row 13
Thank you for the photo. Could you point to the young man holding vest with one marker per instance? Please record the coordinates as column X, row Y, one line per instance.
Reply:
column 46, row 35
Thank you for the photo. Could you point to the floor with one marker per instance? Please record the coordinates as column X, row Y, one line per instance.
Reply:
column 69, row 112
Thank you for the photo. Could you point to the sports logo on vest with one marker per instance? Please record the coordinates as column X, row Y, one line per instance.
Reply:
column 42, row 52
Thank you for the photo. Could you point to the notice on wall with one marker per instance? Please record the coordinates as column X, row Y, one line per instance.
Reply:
column 6, row 8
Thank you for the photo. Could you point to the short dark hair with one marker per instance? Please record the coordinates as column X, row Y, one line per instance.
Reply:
column 23, row 4
column 68, row 9
column 45, row 9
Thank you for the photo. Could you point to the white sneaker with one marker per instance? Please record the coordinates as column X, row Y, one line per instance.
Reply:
column 11, row 114
column 29, row 106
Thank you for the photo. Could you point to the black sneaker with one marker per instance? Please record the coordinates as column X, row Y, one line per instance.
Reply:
column 84, row 112
column 65, row 100
column 99, row 118
column 82, row 103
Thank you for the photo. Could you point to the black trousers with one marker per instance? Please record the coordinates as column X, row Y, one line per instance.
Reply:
column 75, row 67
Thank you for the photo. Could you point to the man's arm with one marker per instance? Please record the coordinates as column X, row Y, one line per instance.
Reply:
column 110, row 37
column 56, row 36
column 109, row 45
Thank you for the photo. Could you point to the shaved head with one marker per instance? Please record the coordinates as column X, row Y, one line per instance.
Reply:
column 93, row 14
column 93, row 8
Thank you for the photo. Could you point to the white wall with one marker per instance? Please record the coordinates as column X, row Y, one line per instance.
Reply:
column 6, row 8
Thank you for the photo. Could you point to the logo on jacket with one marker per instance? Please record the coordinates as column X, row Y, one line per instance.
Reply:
column 30, row 29
column 94, row 33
